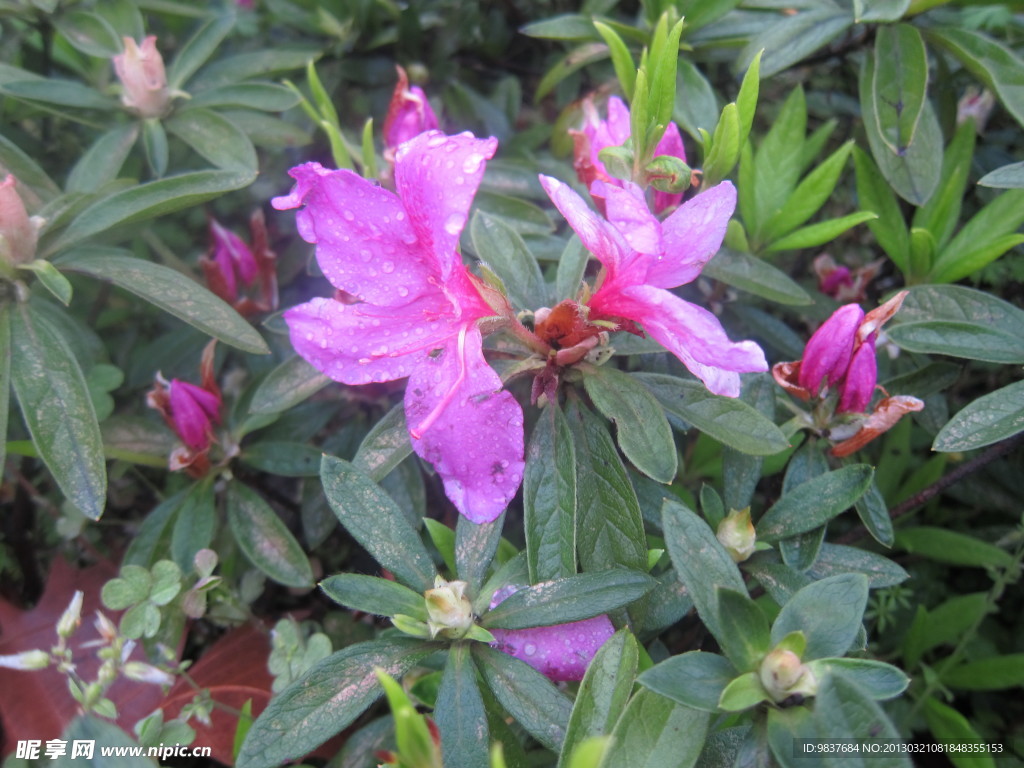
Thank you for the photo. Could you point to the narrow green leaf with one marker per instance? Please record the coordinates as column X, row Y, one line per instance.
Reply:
column 809, row 196
column 574, row 60
column 27, row 170
column 609, row 525
column 876, row 678
column 987, row 236
column 943, row 625
column 654, row 732
column 571, row 267
column 102, row 162
column 951, row 547
column 385, row 446
column 89, row 33
column 265, row 539
column 694, row 679
column 567, row 26
column 744, row 633
column 643, row 431
column 950, row 727
column 522, row 216
column 696, row 103
column 727, row 419
column 572, row 598
column 194, row 525
column 373, row 519
column 829, row 613
column 836, row 558
column 899, row 85
column 603, row 693
column 326, row 699
column 875, row 194
column 874, row 514
column 459, row 712
column 746, row 99
column 973, row 341
column 283, row 457
column 942, row 212
column 61, row 93
column 525, row 694
column 842, row 710
column 989, row 419
column 1008, row 177
column 475, row 547
column 58, row 412
column 154, row 141
column 996, row 673
column 50, row 279
column 287, row 385
column 792, row 38
column 879, row 10
column 266, row 97
column 549, row 498
column 724, row 151
column 700, row 560
column 168, row 289
column 198, row 48
column 776, row 166
column 823, row 232
column 625, row 69
column 749, row 273
column 215, row 138
column 503, row 250
column 814, row 503
column 374, row 595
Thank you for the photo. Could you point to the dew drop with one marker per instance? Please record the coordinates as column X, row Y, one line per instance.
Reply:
column 472, row 163
column 387, row 267
column 408, row 238
column 349, row 216
column 375, row 323
column 400, row 216
column 365, row 255
column 454, row 223
column 403, row 291
column 529, row 649
column 460, row 179
column 437, row 141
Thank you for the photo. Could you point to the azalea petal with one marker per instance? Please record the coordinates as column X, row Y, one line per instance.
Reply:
column 192, row 410
column 616, row 130
column 561, row 652
column 628, row 212
column 692, row 234
column 436, row 177
column 469, row 428
column 861, row 376
column 366, row 244
column 361, row 343
column 827, row 354
column 883, row 418
column 691, row 333
column 591, row 228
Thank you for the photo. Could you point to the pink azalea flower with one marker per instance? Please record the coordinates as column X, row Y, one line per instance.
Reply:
column 644, row 257
column 409, row 115
column 419, row 310
column 559, row 652
column 141, row 71
column 18, row 232
column 598, row 134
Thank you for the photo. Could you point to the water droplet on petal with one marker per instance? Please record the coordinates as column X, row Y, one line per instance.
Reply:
column 400, row 216
column 472, row 163
column 365, row 255
column 460, row 179
column 408, row 238
column 454, row 223
column 529, row 649
column 387, row 267
column 403, row 291
column 437, row 141
column 349, row 216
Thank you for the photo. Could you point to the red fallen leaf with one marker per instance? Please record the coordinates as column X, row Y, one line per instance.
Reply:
column 37, row 704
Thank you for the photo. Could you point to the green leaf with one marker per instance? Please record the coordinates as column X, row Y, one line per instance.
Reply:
column 829, row 613
column 283, row 457
column 879, row 10
column 459, row 712
column 950, row 727
column 876, row 678
column 567, row 26
column 57, row 410
column 197, row 49
column 727, row 419
column 823, row 232
column 50, row 279
column 1007, row 177
column 603, row 693
column 385, row 446
column 502, row 249
column 265, row 540
column 700, row 560
column 996, row 673
column 694, row 679
column 443, row 539
column 266, row 97
column 874, row 514
column 215, row 138
column 609, row 524
column 997, row 66
column 326, row 699
column 842, row 710
column 571, row 267
column 746, row 99
column 549, row 498
column 102, row 162
column 945, row 546
column 742, row 692
column 914, row 174
column 168, row 289
column 655, row 732
column 89, row 33
column 776, row 166
column 287, row 385
column 62, row 93
column 642, row 429
column 625, row 69
column 809, row 195
column 194, row 525
column 375, row 521
column 986, row 237
column 836, row 558
column 749, row 273
column 154, row 141
column 744, row 634
column 793, row 37
column 574, row 60
column 943, row 625
column 989, row 419
column 105, row 737
column 724, row 149
column 814, row 503
column 696, row 104
column 572, row 598
column 149, row 200
column 899, row 85
column 522, row 216
column 875, row 194
column 942, row 212
column 525, row 694
column 475, row 547
column 26, row 170
column 373, row 595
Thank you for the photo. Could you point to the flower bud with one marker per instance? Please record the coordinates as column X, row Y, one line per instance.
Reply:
column 141, row 71
column 147, row 673
column 736, row 534
column 71, row 617
column 409, row 114
column 18, row 233
column 827, row 354
column 783, row 675
column 450, row 613
column 26, row 660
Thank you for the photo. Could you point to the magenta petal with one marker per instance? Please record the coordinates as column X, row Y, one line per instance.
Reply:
column 561, row 652
column 591, row 228
column 413, row 116
column 692, row 234
column 827, row 354
column 361, row 343
column 691, row 333
column 366, row 245
column 192, row 411
column 469, row 428
column 436, row 177
column 231, row 251
column 861, row 376
column 628, row 212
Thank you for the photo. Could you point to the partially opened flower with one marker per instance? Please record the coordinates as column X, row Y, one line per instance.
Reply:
column 409, row 115
column 244, row 276
column 18, row 232
column 141, row 71
column 419, row 312
column 598, row 134
column 644, row 257
column 842, row 283
column 559, row 652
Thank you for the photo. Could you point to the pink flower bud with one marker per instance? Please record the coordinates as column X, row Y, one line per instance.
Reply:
column 827, row 354
column 193, row 412
column 141, row 71
column 18, row 232
column 409, row 114
column 231, row 260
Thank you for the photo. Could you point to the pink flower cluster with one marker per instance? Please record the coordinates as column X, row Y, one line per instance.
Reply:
column 242, row 275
